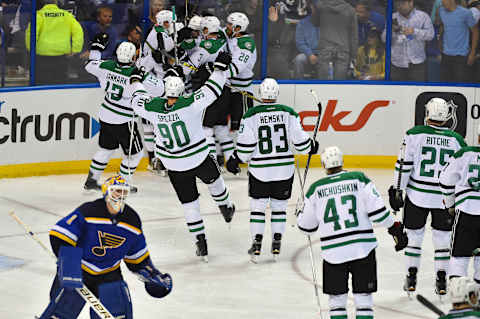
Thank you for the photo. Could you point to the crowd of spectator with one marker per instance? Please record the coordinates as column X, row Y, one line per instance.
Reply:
column 431, row 40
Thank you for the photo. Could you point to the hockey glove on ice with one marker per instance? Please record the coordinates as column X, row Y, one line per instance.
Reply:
column 232, row 164
column 313, row 147
column 222, row 61
column 395, row 197
column 400, row 236
column 100, row 42
column 137, row 74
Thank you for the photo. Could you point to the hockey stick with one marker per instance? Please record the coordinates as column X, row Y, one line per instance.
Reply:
column 424, row 301
column 175, row 36
column 84, row 292
column 400, row 168
column 132, row 129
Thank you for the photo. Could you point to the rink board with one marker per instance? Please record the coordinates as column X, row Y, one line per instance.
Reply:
column 55, row 131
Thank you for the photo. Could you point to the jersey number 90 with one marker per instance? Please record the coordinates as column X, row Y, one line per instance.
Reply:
column 176, row 135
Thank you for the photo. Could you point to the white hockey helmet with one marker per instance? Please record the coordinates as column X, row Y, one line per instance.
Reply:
column 461, row 289
column 269, row 89
column 164, row 16
column 195, row 23
column 211, row 23
column 238, row 19
column 332, row 157
column 126, row 52
column 174, row 86
column 178, row 26
column 437, row 109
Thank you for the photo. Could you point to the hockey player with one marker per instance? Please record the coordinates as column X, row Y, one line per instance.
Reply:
column 116, row 123
column 426, row 149
column 191, row 37
column 464, row 296
column 342, row 206
column 90, row 244
column 182, row 146
column 460, row 182
column 266, row 132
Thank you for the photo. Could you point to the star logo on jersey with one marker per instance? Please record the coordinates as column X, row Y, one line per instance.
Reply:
column 208, row 45
column 248, row 45
column 107, row 241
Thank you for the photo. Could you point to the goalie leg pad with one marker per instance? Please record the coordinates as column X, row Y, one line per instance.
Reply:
column 364, row 305
column 69, row 267
column 64, row 303
column 100, row 161
column 458, row 266
column 413, row 251
column 193, row 218
column 441, row 243
column 338, row 305
column 115, row 296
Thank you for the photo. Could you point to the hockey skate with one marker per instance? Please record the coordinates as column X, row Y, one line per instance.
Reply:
column 254, row 251
column 202, row 249
column 133, row 189
column 276, row 244
column 227, row 212
column 441, row 283
column 156, row 167
column 91, row 184
column 411, row 281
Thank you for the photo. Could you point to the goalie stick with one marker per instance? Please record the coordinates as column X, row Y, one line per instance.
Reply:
column 84, row 292
column 424, row 301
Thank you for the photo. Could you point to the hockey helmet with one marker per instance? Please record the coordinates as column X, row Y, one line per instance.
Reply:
column 164, row 16
column 195, row 23
column 126, row 52
column 115, row 191
column 159, row 291
column 178, row 26
column 462, row 289
column 238, row 19
column 332, row 157
column 437, row 109
column 269, row 89
column 211, row 24
column 174, row 86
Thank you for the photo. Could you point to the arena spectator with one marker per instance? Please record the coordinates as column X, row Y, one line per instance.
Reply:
column 338, row 41
column 132, row 33
column 306, row 39
column 457, row 53
column 367, row 19
column 155, row 7
column 103, row 25
column 411, row 28
column 58, row 36
column 370, row 61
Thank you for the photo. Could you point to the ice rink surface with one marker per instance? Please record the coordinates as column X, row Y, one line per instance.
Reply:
column 229, row 286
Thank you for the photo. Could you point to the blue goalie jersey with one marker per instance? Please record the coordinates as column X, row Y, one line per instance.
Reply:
column 106, row 240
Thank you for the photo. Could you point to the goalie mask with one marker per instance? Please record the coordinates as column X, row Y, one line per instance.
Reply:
column 463, row 290
column 332, row 157
column 115, row 190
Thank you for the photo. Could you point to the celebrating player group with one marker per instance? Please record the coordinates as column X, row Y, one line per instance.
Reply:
column 190, row 87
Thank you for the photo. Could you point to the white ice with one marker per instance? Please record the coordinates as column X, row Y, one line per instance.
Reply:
column 229, row 286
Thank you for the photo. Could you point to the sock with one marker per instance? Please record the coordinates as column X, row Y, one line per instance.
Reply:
column 219, row 192
column 441, row 242
column 128, row 168
column 413, row 252
column 257, row 216
column 226, row 142
column 194, row 219
column 100, row 162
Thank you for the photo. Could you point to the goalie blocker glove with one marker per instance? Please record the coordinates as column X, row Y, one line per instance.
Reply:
column 100, row 42
column 232, row 164
column 395, row 197
column 222, row 61
column 157, row 285
column 137, row 75
column 399, row 235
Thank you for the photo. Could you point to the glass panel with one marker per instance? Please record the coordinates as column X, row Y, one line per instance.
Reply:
column 415, row 48
column 321, row 39
column 14, row 57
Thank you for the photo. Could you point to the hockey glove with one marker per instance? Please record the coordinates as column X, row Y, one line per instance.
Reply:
column 152, row 275
column 313, row 147
column 157, row 56
column 184, row 34
column 400, row 236
column 222, row 61
column 137, row 74
column 232, row 164
column 176, row 70
column 395, row 197
column 100, row 42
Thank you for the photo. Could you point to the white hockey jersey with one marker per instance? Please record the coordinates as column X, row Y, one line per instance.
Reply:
column 244, row 57
column 152, row 42
column 264, row 141
column 427, row 150
column 180, row 139
column 207, row 51
column 460, row 181
column 463, row 313
column 114, row 80
column 342, row 208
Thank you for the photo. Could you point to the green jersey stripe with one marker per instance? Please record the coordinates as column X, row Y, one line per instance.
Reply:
column 381, row 219
column 271, row 165
column 349, row 242
column 117, row 112
column 216, row 84
column 430, row 191
column 465, row 198
column 183, row 156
